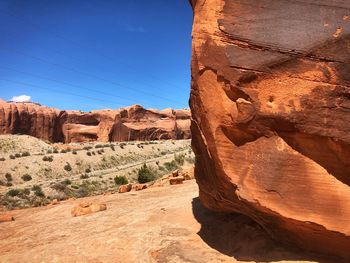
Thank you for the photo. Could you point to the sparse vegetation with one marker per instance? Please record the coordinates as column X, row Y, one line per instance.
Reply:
column 67, row 167
column 12, row 157
column 38, row 191
column 48, row 158
column 8, row 177
column 146, row 174
column 26, row 177
column 120, row 180
column 24, row 154
column 88, row 153
column 2, row 159
column 74, row 152
column 17, row 155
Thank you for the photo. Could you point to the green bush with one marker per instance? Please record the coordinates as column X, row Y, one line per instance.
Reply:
column 119, row 180
column 146, row 174
column 84, row 176
column 38, row 191
column 8, row 177
column 26, row 177
column 24, row 154
column 171, row 166
column 179, row 159
column 47, row 158
column 68, row 167
column 13, row 192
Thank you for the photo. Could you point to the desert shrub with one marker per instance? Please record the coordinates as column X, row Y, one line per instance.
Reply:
column 38, row 191
column 61, row 186
column 17, row 155
column 26, row 177
column 119, row 180
column 12, row 157
column 74, row 152
column 146, row 174
column 55, row 150
column 68, row 150
column 98, row 146
column 179, row 159
column 88, row 153
column 87, row 170
column 67, row 182
column 163, row 152
column 63, row 151
column 171, row 166
column 24, row 154
column 87, row 148
column 47, row 158
column 112, row 147
column 2, row 183
column 122, row 145
column 8, row 177
column 2, row 159
column 190, row 159
column 67, row 167
column 13, row 192
column 9, row 184
column 93, row 153
column 49, row 151
column 84, row 176
column 99, row 152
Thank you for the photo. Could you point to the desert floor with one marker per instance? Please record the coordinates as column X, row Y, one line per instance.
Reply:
column 160, row 224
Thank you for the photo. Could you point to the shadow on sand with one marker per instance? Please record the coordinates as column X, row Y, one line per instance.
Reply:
column 240, row 237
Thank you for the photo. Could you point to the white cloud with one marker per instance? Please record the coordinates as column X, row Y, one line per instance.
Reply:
column 21, row 98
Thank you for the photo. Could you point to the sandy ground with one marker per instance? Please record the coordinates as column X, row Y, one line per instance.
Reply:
column 162, row 224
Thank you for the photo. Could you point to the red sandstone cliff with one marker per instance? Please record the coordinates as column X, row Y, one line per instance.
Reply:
column 126, row 124
column 270, row 102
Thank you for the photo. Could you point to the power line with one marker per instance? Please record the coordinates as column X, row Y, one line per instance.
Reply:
column 68, row 84
column 37, row 27
column 58, row 91
column 86, row 74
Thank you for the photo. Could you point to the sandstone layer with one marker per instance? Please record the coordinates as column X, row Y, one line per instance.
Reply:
column 126, row 124
column 270, row 102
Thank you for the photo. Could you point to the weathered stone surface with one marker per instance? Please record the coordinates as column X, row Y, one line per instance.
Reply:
column 86, row 207
column 6, row 218
column 176, row 180
column 270, row 100
column 125, row 188
column 126, row 124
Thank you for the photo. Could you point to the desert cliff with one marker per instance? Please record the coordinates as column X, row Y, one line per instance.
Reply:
column 126, row 124
column 270, row 103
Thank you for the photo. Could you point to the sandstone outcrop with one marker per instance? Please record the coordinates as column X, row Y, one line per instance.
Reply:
column 6, row 218
column 86, row 207
column 125, row 188
column 126, row 124
column 270, row 102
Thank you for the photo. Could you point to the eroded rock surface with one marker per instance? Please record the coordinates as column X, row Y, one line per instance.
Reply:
column 126, row 124
column 270, row 101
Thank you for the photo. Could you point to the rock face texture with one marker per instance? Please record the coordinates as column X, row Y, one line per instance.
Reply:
column 270, row 102
column 126, row 124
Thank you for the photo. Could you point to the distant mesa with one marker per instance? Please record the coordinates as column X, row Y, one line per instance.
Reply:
column 125, row 124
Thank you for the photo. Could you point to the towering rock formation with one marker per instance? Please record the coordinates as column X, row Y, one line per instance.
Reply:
column 126, row 124
column 270, row 103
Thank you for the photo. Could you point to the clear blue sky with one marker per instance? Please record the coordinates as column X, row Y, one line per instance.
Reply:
column 111, row 53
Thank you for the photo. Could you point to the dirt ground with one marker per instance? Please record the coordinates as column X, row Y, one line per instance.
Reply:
column 162, row 224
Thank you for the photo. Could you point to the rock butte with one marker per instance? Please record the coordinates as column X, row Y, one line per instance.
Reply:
column 270, row 103
column 125, row 124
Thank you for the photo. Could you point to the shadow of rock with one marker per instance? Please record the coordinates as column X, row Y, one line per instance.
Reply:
column 240, row 237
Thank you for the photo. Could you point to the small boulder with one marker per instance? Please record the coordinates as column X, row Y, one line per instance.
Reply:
column 175, row 173
column 86, row 207
column 139, row 187
column 176, row 180
column 125, row 188
column 6, row 218
column 187, row 176
column 55, row 202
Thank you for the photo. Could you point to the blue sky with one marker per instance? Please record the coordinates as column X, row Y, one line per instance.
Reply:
column 96, row 54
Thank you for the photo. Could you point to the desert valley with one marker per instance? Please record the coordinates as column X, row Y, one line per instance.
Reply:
column 257, row 169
